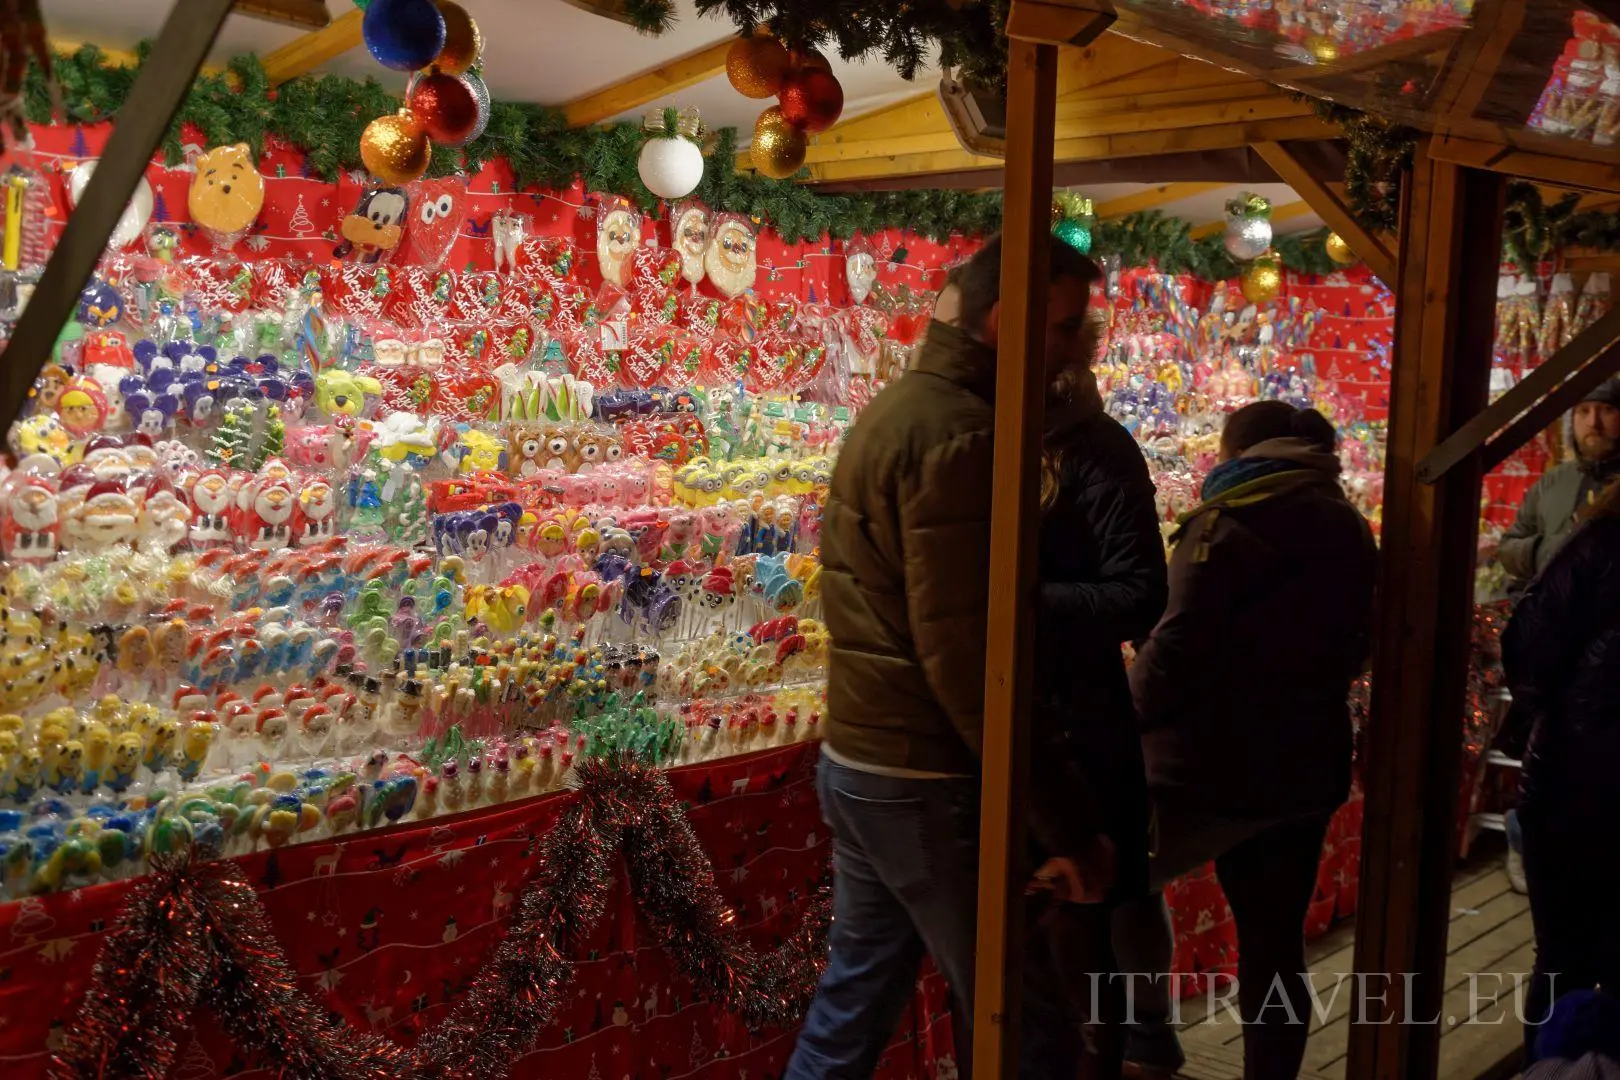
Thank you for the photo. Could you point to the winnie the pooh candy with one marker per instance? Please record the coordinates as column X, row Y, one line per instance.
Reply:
column 226, row 194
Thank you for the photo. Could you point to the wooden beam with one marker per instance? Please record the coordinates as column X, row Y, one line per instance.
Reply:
column 1098, row 148
column 115, row 57
column 1279, row 214
column 1014, row 516
column 1308, row 182
column 638, row 90
column 187, row 35
column 1153, row 197
column 1063, row 23
column 304, row 54
column 1451, row 235
column 1568, row 172
column 1477, row 57
column 1576, row 369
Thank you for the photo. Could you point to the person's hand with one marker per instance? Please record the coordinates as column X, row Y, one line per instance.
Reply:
column 1081, row 879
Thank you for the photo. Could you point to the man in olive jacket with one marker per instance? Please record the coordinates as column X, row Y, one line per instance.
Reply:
column 1547, row 515
column 905, row 553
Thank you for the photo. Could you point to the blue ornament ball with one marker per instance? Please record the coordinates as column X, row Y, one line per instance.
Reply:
column 403, row 34
column 1073, row 233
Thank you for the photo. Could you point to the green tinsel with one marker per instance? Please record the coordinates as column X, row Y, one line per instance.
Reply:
column 1379, row 156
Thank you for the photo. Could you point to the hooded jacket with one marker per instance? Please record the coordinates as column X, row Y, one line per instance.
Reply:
column 905, row 551
column 1242, row 688
column 1561, row 653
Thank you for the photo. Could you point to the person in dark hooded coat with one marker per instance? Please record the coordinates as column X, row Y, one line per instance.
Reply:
column 1241, row 692
column 1561, row 652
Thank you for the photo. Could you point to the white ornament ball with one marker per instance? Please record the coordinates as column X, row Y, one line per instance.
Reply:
column 1248, row 238
column 671, row 168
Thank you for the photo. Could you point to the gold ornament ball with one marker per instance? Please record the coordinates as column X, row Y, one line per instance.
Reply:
column 757, row 65
column 778, row 147
column 1323, row 48
column 1262, row 281
column 463, row 43
column 1338, row 250
column 395, row 149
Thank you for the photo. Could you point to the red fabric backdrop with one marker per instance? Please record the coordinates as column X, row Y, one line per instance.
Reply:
column 388, row 927
column 805, row 271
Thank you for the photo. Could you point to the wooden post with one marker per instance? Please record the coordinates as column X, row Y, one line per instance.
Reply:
column 1444, row 320
column 187, row 35
column 1014, row 513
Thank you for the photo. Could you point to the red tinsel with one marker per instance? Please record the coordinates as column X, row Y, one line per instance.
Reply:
column 194, row 934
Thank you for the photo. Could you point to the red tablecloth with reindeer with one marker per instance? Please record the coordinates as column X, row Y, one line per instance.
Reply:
column 387, row 928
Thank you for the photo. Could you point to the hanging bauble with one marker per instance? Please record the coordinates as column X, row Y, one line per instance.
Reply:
column 756, row 66
column 1338, row 250
column 480, row 92
column 808, row 59
column 1248, row 227
column 403, row 34
column 671, row 161
column 778, row 147
column 445, row 106
column 1262, row 280
column 811, row 100
column 394, row 148
column 463, row 44
column 1074, row 233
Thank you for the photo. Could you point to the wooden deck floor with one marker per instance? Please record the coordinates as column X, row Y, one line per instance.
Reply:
column 1490, row 932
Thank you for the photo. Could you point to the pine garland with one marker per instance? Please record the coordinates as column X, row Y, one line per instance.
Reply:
column 324, row 116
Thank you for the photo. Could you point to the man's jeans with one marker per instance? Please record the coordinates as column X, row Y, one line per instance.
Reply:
column 906, row 868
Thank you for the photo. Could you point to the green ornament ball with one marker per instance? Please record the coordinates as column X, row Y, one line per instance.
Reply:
column 1073, row 233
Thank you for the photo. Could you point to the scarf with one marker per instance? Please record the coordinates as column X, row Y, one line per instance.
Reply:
column 1240, row 471
column 1268, row 469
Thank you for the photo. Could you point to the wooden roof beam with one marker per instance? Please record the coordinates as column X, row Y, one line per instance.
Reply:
column 304, row 54
column 1152, row 198
column 1279, row 214
column 114, row 57
column 638, row 90
column 1578, row 175
column 885, row 162
column 1306, row 180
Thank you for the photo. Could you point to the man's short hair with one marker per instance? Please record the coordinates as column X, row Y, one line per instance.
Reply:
column 979, row 279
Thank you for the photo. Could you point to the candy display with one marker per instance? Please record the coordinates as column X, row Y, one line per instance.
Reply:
column 372, row 542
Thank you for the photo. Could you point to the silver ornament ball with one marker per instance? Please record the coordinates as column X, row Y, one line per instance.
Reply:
column 1248, row 238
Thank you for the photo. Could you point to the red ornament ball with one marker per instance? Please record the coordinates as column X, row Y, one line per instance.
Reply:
column 811, row 99
column 445, row 106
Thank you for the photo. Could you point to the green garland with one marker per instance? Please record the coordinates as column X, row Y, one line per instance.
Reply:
column 325, row 116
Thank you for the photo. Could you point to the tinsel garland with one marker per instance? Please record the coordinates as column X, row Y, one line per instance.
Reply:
column 194, row 934
column 1378, row 157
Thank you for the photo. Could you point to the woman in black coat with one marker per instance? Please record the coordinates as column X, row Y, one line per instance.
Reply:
column 1562, row 655
column 1241, row 696
column 1102, row 584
